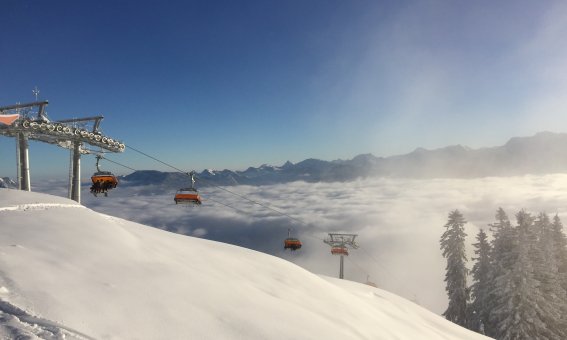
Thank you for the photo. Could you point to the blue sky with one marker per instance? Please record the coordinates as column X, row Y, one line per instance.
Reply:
column 231, row 84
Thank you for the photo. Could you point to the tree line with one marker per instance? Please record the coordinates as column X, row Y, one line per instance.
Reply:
column 518, row 278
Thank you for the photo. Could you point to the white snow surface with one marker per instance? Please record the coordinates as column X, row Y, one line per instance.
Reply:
column 67, row 272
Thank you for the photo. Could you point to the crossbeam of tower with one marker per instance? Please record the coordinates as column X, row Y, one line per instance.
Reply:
column 29, row 121
column 26, row 108
column 340, row 243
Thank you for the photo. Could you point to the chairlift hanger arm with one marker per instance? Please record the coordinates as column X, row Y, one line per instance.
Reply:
column 98, row 158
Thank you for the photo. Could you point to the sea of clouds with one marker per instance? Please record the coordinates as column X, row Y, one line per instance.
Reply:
column 398, row 221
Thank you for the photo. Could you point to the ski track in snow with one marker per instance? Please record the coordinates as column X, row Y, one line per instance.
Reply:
column 39, row 206
column 15, row 323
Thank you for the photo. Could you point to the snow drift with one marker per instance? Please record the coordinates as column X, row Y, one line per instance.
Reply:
column 69, row 272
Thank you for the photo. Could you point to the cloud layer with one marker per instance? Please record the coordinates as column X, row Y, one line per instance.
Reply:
column 398, row 221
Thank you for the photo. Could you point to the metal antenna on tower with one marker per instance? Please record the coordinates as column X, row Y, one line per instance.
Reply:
column 339, row 246
column 35, row 91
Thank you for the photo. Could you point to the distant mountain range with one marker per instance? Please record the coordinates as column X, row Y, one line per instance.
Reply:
column 543, row 153
column 6, row 182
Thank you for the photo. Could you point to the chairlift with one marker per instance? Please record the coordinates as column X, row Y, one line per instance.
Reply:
column 291, row 242
column 189, row 196
column 339, row 250
column 103, row 181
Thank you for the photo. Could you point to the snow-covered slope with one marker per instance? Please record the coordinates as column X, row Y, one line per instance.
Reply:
column 69, row 272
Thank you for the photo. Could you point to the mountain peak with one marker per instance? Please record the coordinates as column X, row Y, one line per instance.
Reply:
column 539, row 138
column 287, row 164
column 456, row 148
column 366, row 156
column 419, row 150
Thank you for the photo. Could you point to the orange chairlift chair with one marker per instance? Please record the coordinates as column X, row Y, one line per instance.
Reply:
column 103, row 181
column 291, row 242
column 339, row 250
column 189, row 196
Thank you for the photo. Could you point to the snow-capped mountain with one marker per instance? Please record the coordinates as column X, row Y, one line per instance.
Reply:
column 67, row 272
column 6, row 182
column 540, row 154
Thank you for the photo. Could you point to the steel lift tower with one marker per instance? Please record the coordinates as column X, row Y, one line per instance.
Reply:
column 30, row 122
column 339, row 246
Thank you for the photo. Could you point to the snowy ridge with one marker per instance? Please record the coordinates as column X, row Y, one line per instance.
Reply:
column 77, row 274
column 39, row 206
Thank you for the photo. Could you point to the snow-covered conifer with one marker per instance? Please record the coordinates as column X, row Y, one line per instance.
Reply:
column 521, row 300
column 550, row 277
column 560, row 246
column 481, row 287
column 453, row 247
column 502, row 256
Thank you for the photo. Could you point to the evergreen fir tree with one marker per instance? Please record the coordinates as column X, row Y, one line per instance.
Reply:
column 560, row 246
column 453, row 247
column 522, row 301
column 547, row 273
column 481, row 287
column 503, row 242
column 502, row 256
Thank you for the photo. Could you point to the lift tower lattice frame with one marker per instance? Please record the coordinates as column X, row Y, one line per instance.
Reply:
column 339, row 246
column 70, row 134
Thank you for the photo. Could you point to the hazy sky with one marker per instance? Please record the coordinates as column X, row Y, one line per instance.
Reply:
column 228, row 84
